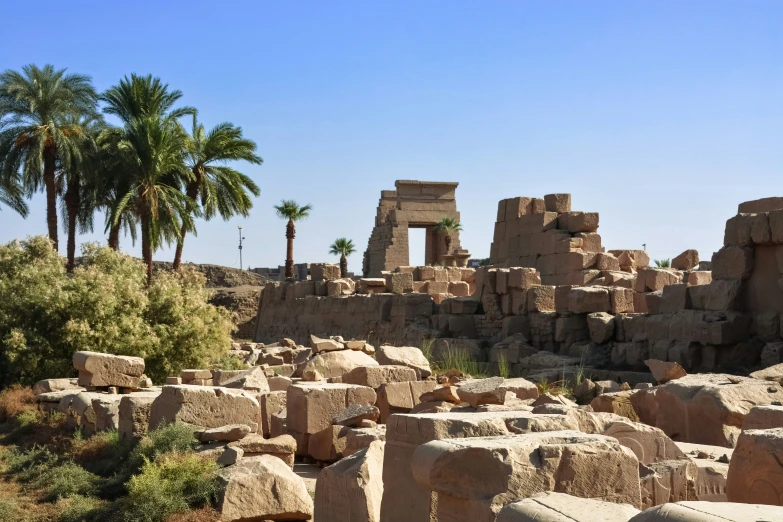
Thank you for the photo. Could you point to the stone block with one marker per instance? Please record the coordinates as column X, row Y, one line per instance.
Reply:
column 755, row 474
column 375, row 376
column 732, row 262
column 707, row 512
column 401, row 397
column 719, row 295
column 204, row 406
column 559, row 507
column 399, row 283
column 674, row 298
column 699, row 277
column 134, row 414
column 271, row 403
column 310, row 407
column 688, row 260
column 621, row 300
column 559, row 203
column 763, row 418
column 103, row 369
column 601, row 326
column 541, row 299
column 328, row 444
column 588, row 299
column 324, row 272
column 409, row 356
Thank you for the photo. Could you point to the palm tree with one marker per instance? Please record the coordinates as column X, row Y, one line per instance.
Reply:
column 342, row 247
column 288, row 209
column 11, row 194
column 39, row 129
column 215, row 187
column 155, row 142
column 448, row 226
column 78, row 203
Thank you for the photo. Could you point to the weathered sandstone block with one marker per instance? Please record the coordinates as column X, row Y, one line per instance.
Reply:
column 755, row 471
column 102, row 369
column 205, row 406
column 311, row 407
column 375, row 376
column 405, row 356
column 134, row 412
column 708, row 512
column 284, row 495
column 338, row 363
column 282, row 447
column 559, row 507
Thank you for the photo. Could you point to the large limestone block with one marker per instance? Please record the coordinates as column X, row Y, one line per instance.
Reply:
column 107, row 412
column 405, row 356
column 709, row 512
column 755, row 471
column 763, row 418
column 311, row 407
column 103, row 369
column 559, row 507
column 53, row 385
column 262, row 488
column 475, row 477
column 253, row 379
column 375, row 376
column 484, row 391
column 352, row 488
column 338, row 363
column 648, row 444
column 134, row 413
column 704, row 408
column 205, row 406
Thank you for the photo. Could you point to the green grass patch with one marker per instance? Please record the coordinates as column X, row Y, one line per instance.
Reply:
column 66, row 480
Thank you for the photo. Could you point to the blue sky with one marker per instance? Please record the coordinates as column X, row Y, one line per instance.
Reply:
column 660, row 115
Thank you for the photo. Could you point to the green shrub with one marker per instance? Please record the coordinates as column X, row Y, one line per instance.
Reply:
column 78, row 509
column 663, row 263
column 28, row 465
column 174, row 483
column 504, row 368
column 103, row 453
column 66, row 480
column 230, row 362
column 47, row 314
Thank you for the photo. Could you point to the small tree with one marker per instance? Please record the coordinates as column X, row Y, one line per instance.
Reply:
column 342, row 247
column 290, row 210
column 448, row 226
column 663, row 263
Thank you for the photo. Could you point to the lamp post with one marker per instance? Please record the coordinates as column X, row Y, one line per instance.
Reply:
column 240, row 246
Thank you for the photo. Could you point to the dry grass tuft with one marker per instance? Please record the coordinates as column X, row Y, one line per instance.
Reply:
column 205, row 514
column 15, row 401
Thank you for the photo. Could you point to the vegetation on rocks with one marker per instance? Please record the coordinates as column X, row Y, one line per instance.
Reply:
column 105, row 305
column 66, row 478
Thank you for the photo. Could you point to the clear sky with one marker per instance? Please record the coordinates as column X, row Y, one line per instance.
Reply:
column 660, row 115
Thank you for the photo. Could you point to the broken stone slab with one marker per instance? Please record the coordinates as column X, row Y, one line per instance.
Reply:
column 54, row 385
column 103, row 369
column 279, row 383
column 709, row 512
column 755, row 471
column 475, row 477
column 191, row 375
column 107, row 412
column 688, row 260
column 772, row 373
column 204, row 406
column 253, row 379
column 601, row 327
column 522, row 388
column 559, row 507
column 648, row 444
column 704, row 408
column 311, row 407
column 227, row 433
column 443, row 393
column 282, row 447
column 484, row 391
column 284, row 497
column 338, row 363
column 763, row 418
column 354, row 414
column 665, row 371
column 355, row 345
column 319, row 345
column 618, row 403
column 351, row 489
column 375, row 376
column 405, row 356
column 270, row 403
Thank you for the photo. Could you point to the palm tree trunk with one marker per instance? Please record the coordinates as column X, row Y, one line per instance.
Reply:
column 146, row 246
column 447, row 240
column 192, row 193
column 290, row 233
column 114, row 237
column 343, row 267
column 72, row 208
column 51, row 195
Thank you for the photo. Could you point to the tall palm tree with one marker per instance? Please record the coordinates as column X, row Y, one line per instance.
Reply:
column 78, row 203
column 288, row 209
column 342, row 247
column 155, row 142
column 448, row 226
column 214, row 186
column 39, row 111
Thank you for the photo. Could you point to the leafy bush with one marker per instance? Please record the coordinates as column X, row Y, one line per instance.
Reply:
column 66, row 480
column 103, row 453
column 171, row 484
column 663, row 263
column 170, row 438
column 78, row 508
column 29, row 465
column 47, row 314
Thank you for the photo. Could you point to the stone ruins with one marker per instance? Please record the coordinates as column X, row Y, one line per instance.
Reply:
column 413, row 204
column 603, row 389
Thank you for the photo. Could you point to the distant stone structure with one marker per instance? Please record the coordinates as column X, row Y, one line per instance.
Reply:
column 414, row 204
